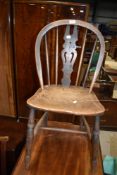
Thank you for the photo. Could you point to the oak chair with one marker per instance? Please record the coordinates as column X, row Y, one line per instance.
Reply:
column 65, row 96
column 3, row 144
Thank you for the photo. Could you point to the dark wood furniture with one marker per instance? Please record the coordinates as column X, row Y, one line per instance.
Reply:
column 54, row 152
column 16, row 132
column 3, row 143
column 113, row 48
column 7, row 95
column 65, row 96
column 104, row 94
column 112, row 76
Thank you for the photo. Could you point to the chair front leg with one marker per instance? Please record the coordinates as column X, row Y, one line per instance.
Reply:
column 30, row 135
column 81, row 123
column 95, row 144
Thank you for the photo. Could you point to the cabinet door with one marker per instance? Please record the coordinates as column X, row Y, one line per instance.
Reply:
column 109, row 119
column 29, row 18
column 7, row 99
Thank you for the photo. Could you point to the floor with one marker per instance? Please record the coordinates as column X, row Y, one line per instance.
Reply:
column 59, row 153
column 108, row 141
column 17, row 131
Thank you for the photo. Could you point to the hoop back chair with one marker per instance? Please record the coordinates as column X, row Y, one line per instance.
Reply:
column 62, row 97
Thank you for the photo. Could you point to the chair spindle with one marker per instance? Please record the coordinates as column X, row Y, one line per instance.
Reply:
column 56, row 56
column 81, row 59
column 84, row 83
column 47, row 60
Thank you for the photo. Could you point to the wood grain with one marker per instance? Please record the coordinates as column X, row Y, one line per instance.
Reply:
column 71, row 100
column 7, row 96
column 59, row 154
column 3, row 145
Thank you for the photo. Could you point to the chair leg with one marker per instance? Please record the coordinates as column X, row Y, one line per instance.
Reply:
column 81, row 123
column 95, row 143
column 30, row 135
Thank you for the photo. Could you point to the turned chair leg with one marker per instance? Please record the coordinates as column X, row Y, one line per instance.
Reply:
column 30, row 135
column 81, row 123
column 95, row 143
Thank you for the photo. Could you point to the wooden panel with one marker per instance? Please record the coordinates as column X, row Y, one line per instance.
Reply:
column 29, row 18
column 7, row 101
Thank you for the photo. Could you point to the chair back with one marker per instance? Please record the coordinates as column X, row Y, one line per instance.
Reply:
column 63, row 45
column 3, row 142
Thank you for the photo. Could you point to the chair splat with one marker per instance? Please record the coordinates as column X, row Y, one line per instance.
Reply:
column 69, row 54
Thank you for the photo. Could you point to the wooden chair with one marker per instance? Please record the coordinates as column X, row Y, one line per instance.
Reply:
column 3, row 142
column 62, row 97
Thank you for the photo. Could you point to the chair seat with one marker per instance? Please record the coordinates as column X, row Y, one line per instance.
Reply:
column 71, row 100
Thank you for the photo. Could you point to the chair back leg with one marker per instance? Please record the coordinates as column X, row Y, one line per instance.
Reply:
column 95, row 143
column 30, row 136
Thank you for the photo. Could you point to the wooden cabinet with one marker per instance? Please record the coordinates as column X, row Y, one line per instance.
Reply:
column 113, row 48
column 7, row 96
column 110, row 117
column 104, row 93
column 29, row 17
